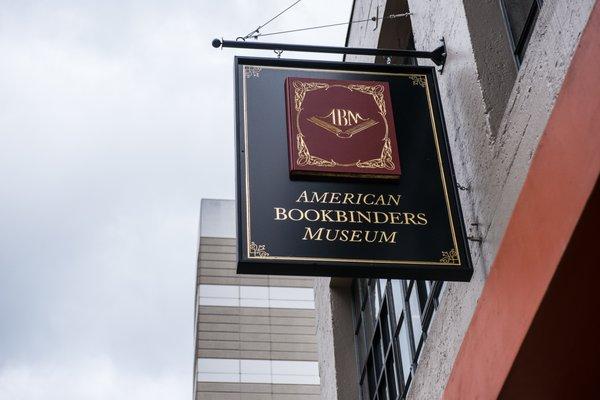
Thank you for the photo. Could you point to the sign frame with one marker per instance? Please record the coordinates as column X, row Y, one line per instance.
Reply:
column 254, row 258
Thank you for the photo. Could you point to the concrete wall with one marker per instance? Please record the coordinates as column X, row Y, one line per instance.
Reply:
column 364, row 34
column 333, row 302
column 337, row 360
column 495, row 115
column 491, row 163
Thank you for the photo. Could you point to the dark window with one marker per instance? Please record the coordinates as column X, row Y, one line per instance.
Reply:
column 391, row 319
column 395, row 33
column 520, row 16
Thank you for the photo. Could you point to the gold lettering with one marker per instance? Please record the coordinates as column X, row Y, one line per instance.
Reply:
column 297, row 211
column 380, row 200
column 316, row 199
column 395, row 218
column 387, row 238
column 325, row 216
column 365, row 216
column 315, row 212
column 341, row 216
column 422, row 219
column 354, row 117
column 409, row 218
column 348, row 198
column 280, row 214
column 341, row 117
column 309, row 235
column 377, row 215
column 334, row 198
column 367, row 236
column 332, row 115
column 394, row 199
column 356, row 236
column 331, row 239
column 344, row 235
column 351, row 214
column 303, row 198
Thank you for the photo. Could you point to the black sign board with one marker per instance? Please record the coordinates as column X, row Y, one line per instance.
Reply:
column 408, row 228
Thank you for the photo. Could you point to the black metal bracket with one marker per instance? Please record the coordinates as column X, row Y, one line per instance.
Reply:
column 438, row 56
column 441, row 56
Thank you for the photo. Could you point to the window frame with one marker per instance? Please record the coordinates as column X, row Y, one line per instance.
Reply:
column 380, row 370
column 519, row 46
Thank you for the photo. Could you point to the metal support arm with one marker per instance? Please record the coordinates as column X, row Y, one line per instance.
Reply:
column 438, row 56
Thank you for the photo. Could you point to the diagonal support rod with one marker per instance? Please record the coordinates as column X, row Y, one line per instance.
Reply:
column 438, row 56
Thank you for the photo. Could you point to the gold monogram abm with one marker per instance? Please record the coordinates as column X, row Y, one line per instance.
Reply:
column 342, row 118
column 344, row 123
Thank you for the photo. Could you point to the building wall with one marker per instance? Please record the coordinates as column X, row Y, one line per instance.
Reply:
column 254, row 334
column 492, row 164
column 524, row 340
column 495, row 116
column 338, row 369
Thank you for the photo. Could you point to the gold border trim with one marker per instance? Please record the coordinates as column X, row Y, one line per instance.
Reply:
column 348, row 260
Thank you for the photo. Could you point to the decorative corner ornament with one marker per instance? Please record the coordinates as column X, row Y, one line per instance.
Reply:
column 418, row 80
column 252, row 71
column 449, row 257
column 258, row 250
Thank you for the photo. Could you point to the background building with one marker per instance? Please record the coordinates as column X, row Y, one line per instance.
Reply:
column 255, row 335
column 521, row 96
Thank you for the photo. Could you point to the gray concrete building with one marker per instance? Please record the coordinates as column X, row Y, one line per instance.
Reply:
column 507, row 65
column 254, row 335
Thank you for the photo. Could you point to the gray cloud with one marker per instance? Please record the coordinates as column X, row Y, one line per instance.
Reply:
column 115, row 119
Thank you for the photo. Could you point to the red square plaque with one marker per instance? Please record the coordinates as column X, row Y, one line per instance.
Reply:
column 341, row 128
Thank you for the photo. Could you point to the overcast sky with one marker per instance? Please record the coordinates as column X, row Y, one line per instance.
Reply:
column 115, row 120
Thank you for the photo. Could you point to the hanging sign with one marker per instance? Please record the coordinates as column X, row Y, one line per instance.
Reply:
column 345, row 170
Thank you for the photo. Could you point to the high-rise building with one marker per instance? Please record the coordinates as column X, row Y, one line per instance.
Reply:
column 254, row 335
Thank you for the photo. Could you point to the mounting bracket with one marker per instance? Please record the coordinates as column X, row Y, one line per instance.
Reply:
column 438, row 55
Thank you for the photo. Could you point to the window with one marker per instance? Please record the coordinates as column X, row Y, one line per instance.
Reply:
column 258, row 371
column 396, row 33
column 256, row 296
column 391, row 318
column 520, row 17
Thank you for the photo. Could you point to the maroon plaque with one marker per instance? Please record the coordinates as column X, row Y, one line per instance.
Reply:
column 341, row 128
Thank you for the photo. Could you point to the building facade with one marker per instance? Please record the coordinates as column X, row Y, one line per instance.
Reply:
column 521, row 99
column 521, row 96
column 254, row 335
